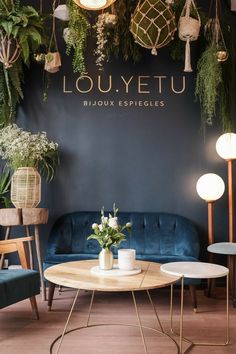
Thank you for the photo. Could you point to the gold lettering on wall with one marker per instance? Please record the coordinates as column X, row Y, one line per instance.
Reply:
column 99, row 84
column 141, row 84
column 64, row 86
column 172, row 85
column 84, row 77
column 127, row 83
column 159, row 78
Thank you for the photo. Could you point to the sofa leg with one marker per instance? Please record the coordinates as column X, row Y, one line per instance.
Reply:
column 193, row 293
column 50, row 295
column 34, row 307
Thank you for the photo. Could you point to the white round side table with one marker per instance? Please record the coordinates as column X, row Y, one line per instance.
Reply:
column 197, row 270
column 227, row 249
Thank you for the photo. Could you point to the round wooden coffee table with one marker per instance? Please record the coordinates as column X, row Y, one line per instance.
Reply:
column 78, row 275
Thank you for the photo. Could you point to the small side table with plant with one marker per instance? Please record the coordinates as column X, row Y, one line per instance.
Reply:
column 108, row 234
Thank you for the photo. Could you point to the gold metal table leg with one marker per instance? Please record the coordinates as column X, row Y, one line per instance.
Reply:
column 181, row 335
column 67, row 322
column 90, row 308
column 139, row 323
column 155, row 311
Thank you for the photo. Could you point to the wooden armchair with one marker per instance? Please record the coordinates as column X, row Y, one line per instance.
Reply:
column 18, row 284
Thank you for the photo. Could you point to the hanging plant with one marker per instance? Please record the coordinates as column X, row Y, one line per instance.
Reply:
column 20, row 36
column 209, row 78
column 77, row 36
column 215, row 74
column 104, row 23
column 121, row 43
column 153, row 24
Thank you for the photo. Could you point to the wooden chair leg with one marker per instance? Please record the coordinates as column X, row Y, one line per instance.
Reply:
column 50, row 295
column 193, row 293
column 34, row 307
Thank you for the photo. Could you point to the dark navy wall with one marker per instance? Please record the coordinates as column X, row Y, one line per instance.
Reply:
column 141, row 158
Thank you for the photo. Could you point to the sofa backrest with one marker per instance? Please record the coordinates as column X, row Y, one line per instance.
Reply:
column 152, row 233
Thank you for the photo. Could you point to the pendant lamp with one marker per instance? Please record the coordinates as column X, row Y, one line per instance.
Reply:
column 94, row 4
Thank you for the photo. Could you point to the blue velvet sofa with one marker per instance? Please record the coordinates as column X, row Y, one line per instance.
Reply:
column 156, row 237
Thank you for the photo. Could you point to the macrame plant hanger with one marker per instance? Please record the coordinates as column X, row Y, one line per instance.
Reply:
column 214, row 33
column 189, row 28
column 153, row 24
column 53, row 58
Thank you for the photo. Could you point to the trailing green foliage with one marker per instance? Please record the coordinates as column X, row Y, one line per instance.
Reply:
column 122, row 43
column 25, row 25
column 5, row 182
column 77, row 39
column 10, row 91
column 209, row 78
column 227, row 85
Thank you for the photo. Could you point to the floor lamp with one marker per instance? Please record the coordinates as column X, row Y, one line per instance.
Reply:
column 210, row 187
column 226, row 149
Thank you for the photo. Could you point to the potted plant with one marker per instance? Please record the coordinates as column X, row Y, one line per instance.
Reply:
column 26, row 154
column 20, row 35
column 108, row 234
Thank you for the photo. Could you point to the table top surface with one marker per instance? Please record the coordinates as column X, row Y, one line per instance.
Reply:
column 78, row 275
column 227, row 248
column 197, row 270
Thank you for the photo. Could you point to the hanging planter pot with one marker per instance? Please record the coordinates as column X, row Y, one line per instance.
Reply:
column 26, row 188
column 52, row 62
column 189, row 28
column 9, row 50
column 153, row 24
column 62, row 12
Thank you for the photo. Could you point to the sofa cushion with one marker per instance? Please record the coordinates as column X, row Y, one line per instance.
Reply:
column 17, row 285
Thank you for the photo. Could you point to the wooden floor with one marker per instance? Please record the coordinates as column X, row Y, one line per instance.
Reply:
column 20, row 334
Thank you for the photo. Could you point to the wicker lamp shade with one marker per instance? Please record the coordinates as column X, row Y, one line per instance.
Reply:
column 26, row 188
column 153, row 24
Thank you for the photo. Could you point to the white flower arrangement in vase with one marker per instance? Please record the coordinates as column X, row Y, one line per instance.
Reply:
column 108, row 234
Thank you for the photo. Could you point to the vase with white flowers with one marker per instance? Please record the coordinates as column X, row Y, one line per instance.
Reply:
column 108, row 234
column 27, row 155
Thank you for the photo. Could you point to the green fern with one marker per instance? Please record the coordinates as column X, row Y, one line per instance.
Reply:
column 25, row 25
column 209, row 78
column 79, row 27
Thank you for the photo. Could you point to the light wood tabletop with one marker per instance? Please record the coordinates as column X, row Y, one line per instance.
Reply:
column 78, row 275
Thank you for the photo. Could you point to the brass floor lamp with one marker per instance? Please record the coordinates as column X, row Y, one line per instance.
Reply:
column 226, row 149
column 210, row 187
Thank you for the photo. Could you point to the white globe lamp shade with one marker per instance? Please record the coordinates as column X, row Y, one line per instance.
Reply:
column 210, row 187
column 226, row 146
column 94, row 4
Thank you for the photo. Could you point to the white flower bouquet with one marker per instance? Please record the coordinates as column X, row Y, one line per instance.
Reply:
column 23, row 149
column 109, row 233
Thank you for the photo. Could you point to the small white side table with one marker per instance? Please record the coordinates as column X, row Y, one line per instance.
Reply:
column 227, row 249
column 197, row 270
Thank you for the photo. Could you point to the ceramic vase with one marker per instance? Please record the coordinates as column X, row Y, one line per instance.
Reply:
column 105, row 259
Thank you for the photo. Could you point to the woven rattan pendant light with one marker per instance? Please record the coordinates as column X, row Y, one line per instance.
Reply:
column 153, row 24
